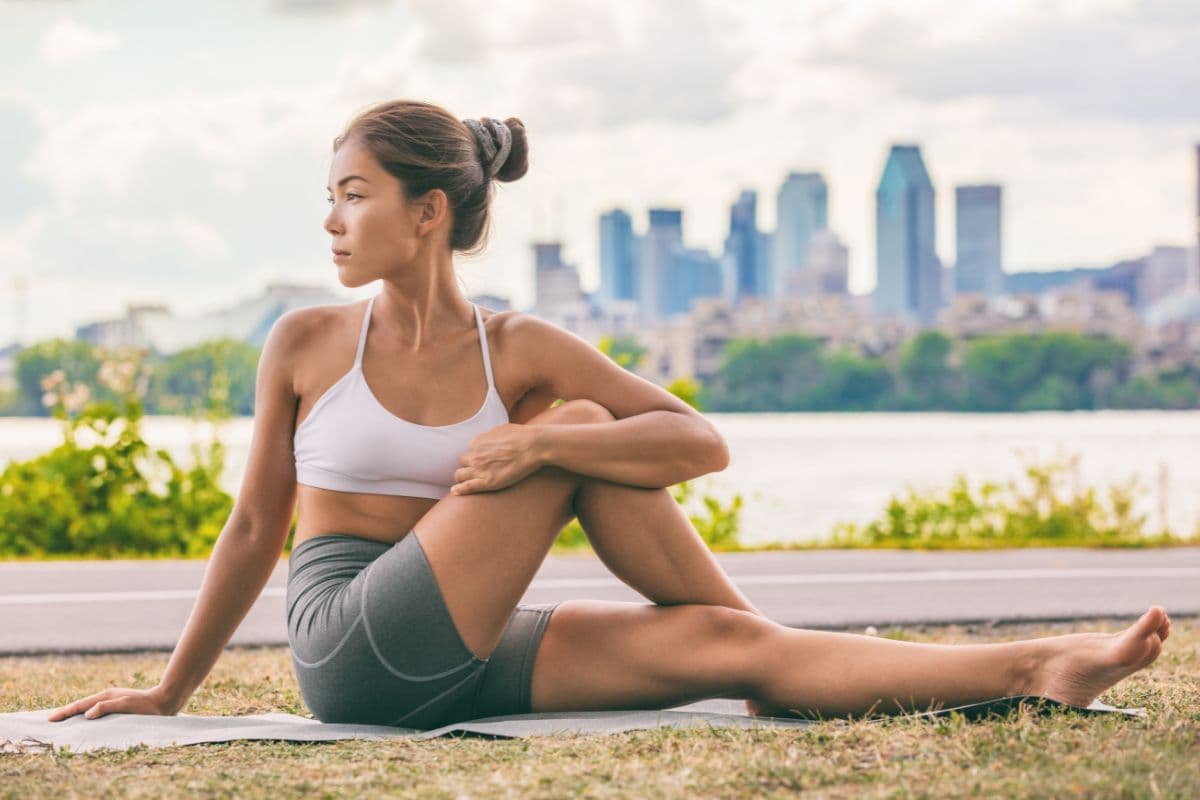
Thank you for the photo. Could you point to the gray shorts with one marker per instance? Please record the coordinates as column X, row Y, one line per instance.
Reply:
column 373, row 642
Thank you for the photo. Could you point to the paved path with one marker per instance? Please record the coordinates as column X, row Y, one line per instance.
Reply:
column 71, row 606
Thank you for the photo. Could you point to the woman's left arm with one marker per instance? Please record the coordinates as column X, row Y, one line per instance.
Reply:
column 654, row 449
column 656, row 440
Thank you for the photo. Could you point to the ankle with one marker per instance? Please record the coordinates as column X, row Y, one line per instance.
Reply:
column 1028, row 666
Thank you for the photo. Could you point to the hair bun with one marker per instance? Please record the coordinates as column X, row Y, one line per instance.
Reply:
column 494, row 140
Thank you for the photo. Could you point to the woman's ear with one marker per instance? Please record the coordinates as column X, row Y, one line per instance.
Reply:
column 434, row 208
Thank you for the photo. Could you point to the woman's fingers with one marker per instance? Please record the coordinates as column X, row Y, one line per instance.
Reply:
column 69, row 710
column 82, row 705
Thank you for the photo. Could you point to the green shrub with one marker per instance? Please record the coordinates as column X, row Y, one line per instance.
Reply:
column 718, row 525
column 104, row 492
column 1048, row 508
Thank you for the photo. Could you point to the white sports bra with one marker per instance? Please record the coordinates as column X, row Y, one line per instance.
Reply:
column 350, row 443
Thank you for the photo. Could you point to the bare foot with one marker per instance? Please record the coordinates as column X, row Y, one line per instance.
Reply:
column 1077, row 667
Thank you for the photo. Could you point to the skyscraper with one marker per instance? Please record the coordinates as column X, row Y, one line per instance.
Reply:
column 663, row 238
column 802, row 209
column 742, row 248
column 618, row 257
column 908, row 273
column 977, row 234
column 556, row 283
column 691, row 273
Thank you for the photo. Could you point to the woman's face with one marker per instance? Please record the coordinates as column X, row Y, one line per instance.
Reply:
column 369, row 218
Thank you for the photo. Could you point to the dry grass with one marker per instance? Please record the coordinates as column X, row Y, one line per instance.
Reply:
column 1065, row 754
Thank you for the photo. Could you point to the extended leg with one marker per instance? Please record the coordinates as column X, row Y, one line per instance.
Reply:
column 599, row 654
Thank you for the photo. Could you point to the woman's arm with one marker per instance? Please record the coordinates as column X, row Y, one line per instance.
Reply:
column 239, row 568
column 248, row 548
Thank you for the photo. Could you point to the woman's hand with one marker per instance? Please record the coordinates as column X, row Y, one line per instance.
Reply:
column 120, row 701
column 496, row 458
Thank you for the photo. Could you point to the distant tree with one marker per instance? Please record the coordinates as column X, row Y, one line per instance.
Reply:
column 925, row 376
column 216, row 373
column 79, row 363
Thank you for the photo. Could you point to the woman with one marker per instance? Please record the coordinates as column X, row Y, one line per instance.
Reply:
column 369, row 416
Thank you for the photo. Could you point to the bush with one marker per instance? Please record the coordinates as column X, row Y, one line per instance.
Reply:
column 1048, row 509
column 104, row 492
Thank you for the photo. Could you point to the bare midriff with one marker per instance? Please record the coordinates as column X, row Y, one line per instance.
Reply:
column 384, row 518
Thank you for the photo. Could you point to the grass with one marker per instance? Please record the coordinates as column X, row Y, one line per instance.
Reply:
column 1061, row 755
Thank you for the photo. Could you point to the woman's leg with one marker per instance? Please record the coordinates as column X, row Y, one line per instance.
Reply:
column 602, row 654
column 642, row 535
column 485, row 548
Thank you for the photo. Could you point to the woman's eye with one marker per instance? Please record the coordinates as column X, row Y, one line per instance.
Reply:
column 348, row 194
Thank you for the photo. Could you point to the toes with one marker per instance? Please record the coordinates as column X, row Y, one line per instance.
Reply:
column 1149, row 623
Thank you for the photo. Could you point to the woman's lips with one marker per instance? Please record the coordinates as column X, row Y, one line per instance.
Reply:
column 337, row 255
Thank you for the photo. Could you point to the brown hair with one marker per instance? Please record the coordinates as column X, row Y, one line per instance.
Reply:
column 426, row 147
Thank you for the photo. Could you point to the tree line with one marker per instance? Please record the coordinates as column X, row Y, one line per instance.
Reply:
column 1055, row 370
column 1049, row 371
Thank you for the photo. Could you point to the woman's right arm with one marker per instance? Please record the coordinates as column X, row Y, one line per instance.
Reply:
column 248, row 548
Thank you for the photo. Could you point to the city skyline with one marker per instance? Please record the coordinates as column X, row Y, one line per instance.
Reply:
column 129, row 149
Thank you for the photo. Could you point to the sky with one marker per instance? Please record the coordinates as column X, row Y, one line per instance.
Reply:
column 179, row 153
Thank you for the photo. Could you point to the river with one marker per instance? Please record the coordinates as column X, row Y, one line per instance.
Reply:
column 801, row 473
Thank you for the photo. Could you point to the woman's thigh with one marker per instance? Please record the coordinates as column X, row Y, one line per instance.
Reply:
column 485, row 548
column 598, row 654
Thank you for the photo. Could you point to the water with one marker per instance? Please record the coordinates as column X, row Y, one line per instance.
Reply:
column 801, row 473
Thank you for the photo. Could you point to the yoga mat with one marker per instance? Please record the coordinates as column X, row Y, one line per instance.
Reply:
column 31, row 732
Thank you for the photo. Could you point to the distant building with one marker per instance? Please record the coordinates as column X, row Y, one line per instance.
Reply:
column 802, row 209
column 1038, row 281
column 909, row 274
column 1165, row 273
column 827, row 270
column 691, row 274
column 979, row 259
column 152, row 325
column 618, row 258
column 1124, row 277
column 742, row 251
column 556, row 283
column 663, row 240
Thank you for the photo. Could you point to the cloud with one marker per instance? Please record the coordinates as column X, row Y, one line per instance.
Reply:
column 1110, row 63
column 193, row 235
column 671, row 61
column 328, row 7
column 68, row 41
column 20, row 131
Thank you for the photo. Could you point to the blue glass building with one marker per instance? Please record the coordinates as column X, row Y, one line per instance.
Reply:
column 908, row 273
column 618, row 258
column 978, row 263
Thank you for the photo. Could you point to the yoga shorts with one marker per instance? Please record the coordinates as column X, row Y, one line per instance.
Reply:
column 373, row 642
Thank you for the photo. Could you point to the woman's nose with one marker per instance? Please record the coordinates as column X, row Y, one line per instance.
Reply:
column 331, row 222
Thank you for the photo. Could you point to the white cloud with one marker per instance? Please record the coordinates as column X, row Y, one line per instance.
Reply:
column 197, row 236
column 67, row 41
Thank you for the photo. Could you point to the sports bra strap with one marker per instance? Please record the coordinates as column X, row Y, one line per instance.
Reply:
column 487, row 359
column 362, row 337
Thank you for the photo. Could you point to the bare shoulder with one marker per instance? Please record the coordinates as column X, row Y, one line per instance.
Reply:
column 523, row 329
column 301, row 328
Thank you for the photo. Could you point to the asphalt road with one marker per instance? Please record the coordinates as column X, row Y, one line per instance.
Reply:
column 113, row 606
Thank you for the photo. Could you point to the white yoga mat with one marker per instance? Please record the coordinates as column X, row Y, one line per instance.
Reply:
column 30, row 731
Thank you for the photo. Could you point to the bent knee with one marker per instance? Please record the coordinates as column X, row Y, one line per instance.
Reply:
column 581, row 410
column 725, row 623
